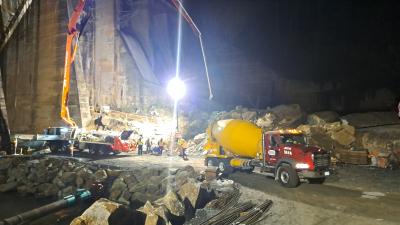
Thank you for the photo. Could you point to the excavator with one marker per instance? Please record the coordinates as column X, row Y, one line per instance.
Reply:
column 72, row 44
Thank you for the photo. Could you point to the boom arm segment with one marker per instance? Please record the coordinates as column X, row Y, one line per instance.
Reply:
column 70, row 50
column 182, row 11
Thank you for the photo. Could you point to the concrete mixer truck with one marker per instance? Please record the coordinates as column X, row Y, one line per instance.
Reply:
column 282, row 154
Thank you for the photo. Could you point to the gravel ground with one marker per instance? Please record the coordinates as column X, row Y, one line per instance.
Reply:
column 291, row 212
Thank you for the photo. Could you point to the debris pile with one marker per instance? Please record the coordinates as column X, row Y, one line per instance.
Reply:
column 196, row 145
column 282, row 116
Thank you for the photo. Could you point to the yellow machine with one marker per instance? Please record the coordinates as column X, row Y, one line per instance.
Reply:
column 239, row 137
column 231, row 142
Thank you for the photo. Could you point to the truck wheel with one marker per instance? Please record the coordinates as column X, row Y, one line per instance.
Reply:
column 92, row 150
column 320, row 180
column 115, row 152
column 288, row 177
column 53, row 147
column 211, row 162
column 102, row 151
column 224, row 167
column 249, row 170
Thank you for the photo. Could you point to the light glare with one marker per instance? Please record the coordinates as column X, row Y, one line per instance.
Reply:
column 176, row 88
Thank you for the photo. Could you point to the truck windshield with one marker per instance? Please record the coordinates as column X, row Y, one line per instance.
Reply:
column 290, row 139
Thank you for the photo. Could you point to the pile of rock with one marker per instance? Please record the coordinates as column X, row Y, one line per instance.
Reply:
column 134, row 188
column 47, row 177
column 175, row 207
column 326, row 130
column 162, row 194
column 53, row 177
column 281, row 116
column 196, row 145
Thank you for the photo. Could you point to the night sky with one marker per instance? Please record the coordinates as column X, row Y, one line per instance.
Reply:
column 355, row 44
column 318, row 40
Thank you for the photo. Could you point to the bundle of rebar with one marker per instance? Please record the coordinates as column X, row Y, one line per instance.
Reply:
column 235, row 213
column 254, row 215
column 229, row 215
column 233, row 201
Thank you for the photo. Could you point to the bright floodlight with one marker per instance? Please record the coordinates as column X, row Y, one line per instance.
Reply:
column 176, row 88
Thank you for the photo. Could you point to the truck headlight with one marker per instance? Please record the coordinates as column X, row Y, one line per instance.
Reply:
column 302, row 166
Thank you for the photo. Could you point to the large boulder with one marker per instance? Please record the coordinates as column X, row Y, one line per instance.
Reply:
column 288, row 116
column 3, row 178
column 199, row 138
column 11, row 186
column 344, row 136
column 322, row 118
column 47, row 190
column 68, row 177
column 117, row 188
column 267, row 121
column 249, row 115
column 172, row 203
column 84, row 177
column 379, row 138
column 100, row 175
column 154, row 213
column 106, row 212
column 5, row 164
column 191, row 191
column 371, row 119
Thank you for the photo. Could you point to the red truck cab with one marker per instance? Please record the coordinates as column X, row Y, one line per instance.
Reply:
column 290, row 158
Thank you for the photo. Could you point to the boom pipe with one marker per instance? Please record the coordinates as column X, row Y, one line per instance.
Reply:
column 182, row 11
column 70, row 50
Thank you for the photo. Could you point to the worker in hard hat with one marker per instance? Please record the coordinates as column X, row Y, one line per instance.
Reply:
column 182, row 146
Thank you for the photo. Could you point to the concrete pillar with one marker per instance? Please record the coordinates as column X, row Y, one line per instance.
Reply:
column 104, row 53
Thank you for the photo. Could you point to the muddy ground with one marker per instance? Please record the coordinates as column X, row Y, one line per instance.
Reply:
column 352, row 195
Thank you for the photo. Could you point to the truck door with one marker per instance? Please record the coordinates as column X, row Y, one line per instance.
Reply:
column 272, row 149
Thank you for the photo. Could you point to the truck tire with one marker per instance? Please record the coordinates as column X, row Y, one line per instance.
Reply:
column 54, row 148
column 320, row 180
column 225, row 167
column 249, row 170
column 92, row 149
column 103, row 150
column 288, row 177
column 211, row 162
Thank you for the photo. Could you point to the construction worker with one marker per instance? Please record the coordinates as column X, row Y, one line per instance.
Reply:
column 99, row 123
column 140, row 146
column 182, row 145
column 148, row 145
column 160, row 146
